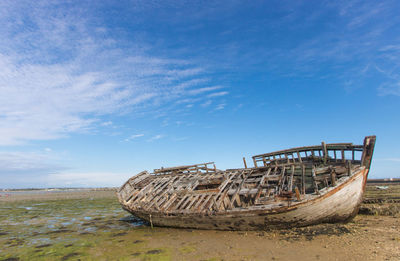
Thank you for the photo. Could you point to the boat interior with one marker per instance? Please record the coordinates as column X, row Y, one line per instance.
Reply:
column 277, row 178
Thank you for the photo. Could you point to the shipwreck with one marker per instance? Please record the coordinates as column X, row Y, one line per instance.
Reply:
column 293, row 187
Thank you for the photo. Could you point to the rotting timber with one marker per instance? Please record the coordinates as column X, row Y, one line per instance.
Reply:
column 294, row 187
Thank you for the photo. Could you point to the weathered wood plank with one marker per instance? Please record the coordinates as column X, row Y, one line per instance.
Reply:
column 284, row 180
column 303, row 179
column 178, row 205
column 193, row 200
column 234, row 197
column 314, row 180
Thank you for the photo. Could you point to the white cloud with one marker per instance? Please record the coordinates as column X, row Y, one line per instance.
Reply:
column 156, row 137
column 206, row 103
column 204, row 89
column 135, row 136
column 217, row 94
column 390, row 48
column 86, row 179
column 106, row 123
column 220, row 106
column 18, row 162
column 59, row 75
column 389, row 88
column 45, row 169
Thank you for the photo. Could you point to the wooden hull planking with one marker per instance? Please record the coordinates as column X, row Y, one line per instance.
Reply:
column 232, row 199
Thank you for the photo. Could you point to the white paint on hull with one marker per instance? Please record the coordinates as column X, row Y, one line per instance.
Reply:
column 336, row 204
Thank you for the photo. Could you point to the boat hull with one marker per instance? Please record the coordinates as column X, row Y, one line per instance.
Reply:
column 340, row 204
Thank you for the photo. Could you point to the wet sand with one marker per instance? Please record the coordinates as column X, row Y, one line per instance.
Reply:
column 90, row 225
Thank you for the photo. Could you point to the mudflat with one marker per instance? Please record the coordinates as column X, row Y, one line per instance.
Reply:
column 90, row 225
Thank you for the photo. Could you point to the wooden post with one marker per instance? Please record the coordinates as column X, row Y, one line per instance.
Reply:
column 255, row 162
column 314, row 180
column 291, row 180
column 297, row 193
column 303, row 179
column 281, row 181
column 324, row 152
column 349, row 168
column 368, row 150
column 151, row 222
column 299, row 156
column 244, row 162
column 333, row 178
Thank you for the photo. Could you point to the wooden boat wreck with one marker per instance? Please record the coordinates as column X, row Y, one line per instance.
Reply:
column 294, row 187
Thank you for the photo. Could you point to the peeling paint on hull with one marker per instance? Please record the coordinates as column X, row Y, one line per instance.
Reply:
column 283, row 193
column 340, row 206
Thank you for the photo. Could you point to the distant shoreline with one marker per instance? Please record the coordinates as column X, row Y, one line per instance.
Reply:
column 56, row 190
column 41, row 190
column 62, row 194
column 387, row 180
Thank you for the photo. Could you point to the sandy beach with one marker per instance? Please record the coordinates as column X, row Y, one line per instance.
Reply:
column 90, row 225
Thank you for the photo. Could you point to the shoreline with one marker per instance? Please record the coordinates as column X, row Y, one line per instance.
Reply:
column 90, row 224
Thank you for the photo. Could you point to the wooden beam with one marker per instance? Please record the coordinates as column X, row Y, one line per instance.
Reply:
column 196, row 197
column 348, row 168
column 299, row 156
column 261, row 184
column 255, row 162
column 314, row 180
column 281, row 180
column 223, row 195
column 177, row 206
column 303, row 179
column 187, row 202
column 199, row 201
column 291, row 179
column 333, row 178
column 324, row 152
column 233, row 198
column 204, row 204
column 169, row 203
column 296, row 190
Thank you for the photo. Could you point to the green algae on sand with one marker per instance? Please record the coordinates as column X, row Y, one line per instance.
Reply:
column 93, row 226
column 71, row 229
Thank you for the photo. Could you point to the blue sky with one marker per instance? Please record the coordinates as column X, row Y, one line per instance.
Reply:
column 93, row 92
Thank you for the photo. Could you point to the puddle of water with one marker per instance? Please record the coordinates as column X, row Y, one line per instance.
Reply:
column 39, row 241
column 39, row 204
column 90, row 229
column 79, row 224
column 133, row 221
column 27, row 208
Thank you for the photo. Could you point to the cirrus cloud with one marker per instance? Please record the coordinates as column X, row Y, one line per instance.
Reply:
column 60, row 73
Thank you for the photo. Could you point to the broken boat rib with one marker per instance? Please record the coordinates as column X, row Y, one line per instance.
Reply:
column 294, row 187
